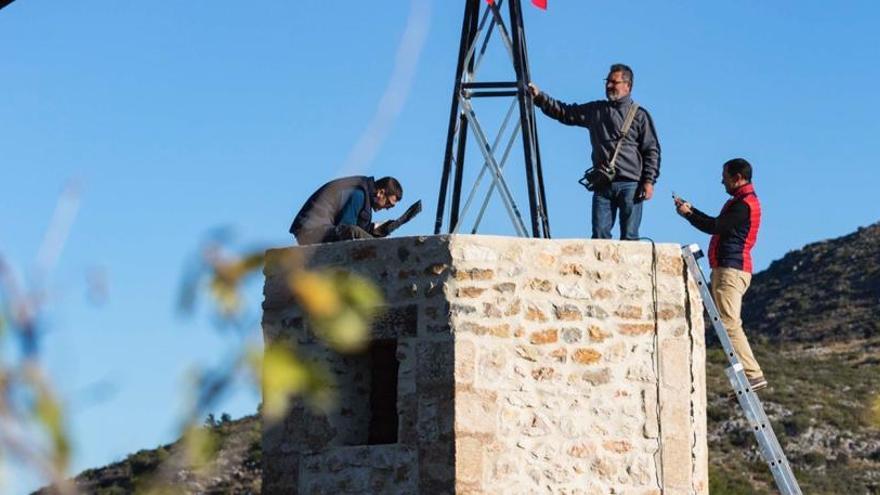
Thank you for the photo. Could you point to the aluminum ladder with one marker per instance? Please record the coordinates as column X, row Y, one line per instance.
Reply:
column 771, row 451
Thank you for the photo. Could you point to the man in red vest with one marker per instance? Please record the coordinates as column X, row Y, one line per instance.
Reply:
column 734, row 232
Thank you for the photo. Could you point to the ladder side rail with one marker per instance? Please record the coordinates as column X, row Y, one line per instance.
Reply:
column 757, row 418
column 709, row 304
column 768, row 443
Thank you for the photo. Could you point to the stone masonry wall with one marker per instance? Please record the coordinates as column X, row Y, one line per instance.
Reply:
column 526, row 366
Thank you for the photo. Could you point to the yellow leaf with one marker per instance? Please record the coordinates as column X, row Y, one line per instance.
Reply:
column 49, row 413
column 232, row 271
column 315, row 292
column 347, row 331
column 253, row 261
column 226, row 295
column 228, row 276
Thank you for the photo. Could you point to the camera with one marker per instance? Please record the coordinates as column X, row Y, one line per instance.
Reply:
column 597, row 177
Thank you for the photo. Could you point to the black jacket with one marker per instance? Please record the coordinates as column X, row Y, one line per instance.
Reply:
column 324, row 207
column 734, row 231
column 639, row 158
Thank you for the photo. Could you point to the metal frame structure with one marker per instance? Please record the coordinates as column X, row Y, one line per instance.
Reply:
column 463, row 117
column 769, row 446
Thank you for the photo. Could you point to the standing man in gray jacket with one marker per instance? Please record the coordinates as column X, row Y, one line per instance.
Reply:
column 638, row 163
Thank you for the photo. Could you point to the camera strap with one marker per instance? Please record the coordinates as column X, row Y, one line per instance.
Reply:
column 627, row 123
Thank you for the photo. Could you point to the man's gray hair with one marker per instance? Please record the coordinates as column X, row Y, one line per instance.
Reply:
column 627, row 72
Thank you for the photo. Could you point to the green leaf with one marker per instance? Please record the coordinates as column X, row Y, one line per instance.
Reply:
column 50, row 414
column 362, row 294
column 283, row 375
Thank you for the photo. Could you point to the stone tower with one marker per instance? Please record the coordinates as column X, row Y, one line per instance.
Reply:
column 502, row 366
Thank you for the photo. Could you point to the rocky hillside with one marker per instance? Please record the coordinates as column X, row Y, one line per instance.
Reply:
column 236, row 466
column 817, row 309
column 813, row 320
column 819, row 404
column 827, row 291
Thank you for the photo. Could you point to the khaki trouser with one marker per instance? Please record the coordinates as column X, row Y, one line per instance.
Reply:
column 728, row 287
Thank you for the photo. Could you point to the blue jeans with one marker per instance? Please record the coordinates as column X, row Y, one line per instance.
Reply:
column 619, row 196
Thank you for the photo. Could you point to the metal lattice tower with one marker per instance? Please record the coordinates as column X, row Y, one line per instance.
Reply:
column 477, row 29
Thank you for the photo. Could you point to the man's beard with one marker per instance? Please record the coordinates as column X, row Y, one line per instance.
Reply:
column 613, row 95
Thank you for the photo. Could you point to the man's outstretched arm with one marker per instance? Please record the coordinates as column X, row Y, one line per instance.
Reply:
column 567, row 113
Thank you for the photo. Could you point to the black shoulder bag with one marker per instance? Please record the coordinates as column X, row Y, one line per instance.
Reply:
column 600, row 176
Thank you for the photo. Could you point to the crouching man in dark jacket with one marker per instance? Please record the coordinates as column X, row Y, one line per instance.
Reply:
column 342, row 209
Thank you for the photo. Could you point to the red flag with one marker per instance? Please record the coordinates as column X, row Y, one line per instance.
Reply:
column 541, row 4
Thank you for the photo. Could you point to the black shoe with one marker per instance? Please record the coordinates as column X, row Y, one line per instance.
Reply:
column 758, row 383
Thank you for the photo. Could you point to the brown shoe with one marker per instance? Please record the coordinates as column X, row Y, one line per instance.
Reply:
column 758, row 383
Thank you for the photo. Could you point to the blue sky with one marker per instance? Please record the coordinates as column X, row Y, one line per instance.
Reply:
column 178, row 117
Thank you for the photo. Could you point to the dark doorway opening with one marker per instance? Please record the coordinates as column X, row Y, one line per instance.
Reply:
column 383, row 392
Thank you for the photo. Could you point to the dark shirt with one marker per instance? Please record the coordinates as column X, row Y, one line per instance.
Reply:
column 333, row 205
column 639, row 158
column 353, row 206
column 734, row 231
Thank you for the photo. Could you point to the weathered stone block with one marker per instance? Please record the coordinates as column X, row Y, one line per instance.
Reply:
column 547, row 336
column 635, row 328
column 586, row 356
column 475, row 411
column 567, row 312
column 535, row 313
column 469, row 454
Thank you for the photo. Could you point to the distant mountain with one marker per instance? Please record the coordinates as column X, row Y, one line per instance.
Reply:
column 826, row 291
column 818, row 311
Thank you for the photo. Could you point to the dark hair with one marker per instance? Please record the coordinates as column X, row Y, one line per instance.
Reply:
column 627, row 72
column 391, row 187
column 739, row 166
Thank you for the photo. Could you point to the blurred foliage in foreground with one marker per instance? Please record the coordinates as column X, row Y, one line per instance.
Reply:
column 339, row 306
column 33, row 427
